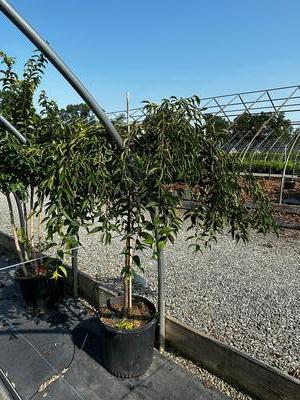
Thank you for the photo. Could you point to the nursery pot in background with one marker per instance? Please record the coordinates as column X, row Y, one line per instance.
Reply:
column 40, row 290
column 128, row 353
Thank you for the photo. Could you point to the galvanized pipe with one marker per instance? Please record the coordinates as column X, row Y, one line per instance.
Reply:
column 58, row 63
column 8, row 126
column 161, row 298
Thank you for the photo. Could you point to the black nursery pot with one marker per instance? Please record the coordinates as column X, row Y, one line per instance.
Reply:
column 39, row 290
column 129, row 353
column 56, row 291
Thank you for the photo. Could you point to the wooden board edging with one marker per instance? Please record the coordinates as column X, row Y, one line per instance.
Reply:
column 237, row 368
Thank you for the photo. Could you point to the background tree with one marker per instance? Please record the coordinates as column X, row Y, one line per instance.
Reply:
column 73, row 112
column 247, row 125
column 216, row 122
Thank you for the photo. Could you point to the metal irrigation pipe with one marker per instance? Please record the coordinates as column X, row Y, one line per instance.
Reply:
column 285, row 166
column 59, row 64
column 8, row 126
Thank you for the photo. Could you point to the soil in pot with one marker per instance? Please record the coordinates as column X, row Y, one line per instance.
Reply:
column 127, row 343
column 38, row 289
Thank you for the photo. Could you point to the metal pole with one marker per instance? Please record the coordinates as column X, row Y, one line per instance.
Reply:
column 58, row 63
column 7, row 125
column 161, row 302
column 161, row 299
column 74, row 256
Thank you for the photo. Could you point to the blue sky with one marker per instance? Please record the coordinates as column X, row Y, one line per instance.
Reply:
column 156, row 49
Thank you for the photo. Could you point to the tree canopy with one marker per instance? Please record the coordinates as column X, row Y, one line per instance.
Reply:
column 81, row 179
column 271, row 125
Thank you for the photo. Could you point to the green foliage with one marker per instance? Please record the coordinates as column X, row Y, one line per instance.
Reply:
column 59, row 272
column 23, row 168
column 124, row 324
column 95, row 184
column 19, row 164
column 75, row 112
column 271, row 163
column 86, row 181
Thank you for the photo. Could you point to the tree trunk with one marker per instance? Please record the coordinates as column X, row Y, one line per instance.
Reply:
column 22, row 223
column 40, row 223
column 15, row 234
column 31, row 224
column 40, row 228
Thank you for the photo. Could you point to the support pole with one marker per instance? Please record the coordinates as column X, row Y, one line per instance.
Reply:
column 74, row 256
column 161, row 289
column 161, row 299
column 58, row 63
column 8, row 126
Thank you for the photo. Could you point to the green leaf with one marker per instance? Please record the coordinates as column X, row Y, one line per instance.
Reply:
column 60, row 253
column 63, row 269
column 136, row 259
column 97, row 229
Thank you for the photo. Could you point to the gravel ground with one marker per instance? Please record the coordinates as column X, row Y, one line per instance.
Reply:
column 247, row 296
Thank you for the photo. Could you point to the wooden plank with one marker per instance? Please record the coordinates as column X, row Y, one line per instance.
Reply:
column 235, row 367
column 87, row 288
column 90, row 289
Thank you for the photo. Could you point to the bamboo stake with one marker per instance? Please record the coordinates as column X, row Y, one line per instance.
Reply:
column 129, row 220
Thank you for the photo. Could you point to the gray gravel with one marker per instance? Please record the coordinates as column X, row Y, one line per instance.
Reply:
column 247, row 296
column 209, row 380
